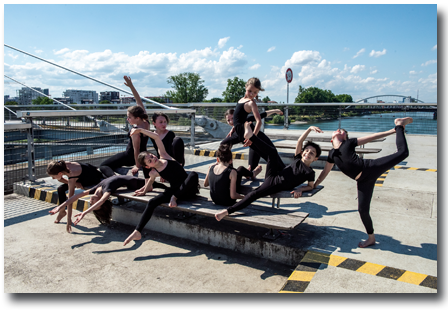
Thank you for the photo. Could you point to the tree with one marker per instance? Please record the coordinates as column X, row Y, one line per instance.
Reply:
column 344, row 98
column 266, row 99
column 314, row 95
column 187, row 87
column 11, row 102
column 105, row 102
column 236, row 89
column 41, row 100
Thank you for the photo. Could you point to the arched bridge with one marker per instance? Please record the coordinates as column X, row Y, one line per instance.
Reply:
column 390, row 98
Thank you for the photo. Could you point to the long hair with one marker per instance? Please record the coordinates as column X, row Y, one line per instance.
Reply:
column 104, row 213
column 138, row 112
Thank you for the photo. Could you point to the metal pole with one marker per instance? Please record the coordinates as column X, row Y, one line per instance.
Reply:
column 31, row 157
column 340, row 117
column 96, row 80
column 192, row 133
column 286, row 125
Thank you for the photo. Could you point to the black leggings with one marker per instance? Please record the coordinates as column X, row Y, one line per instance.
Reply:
column 189, row 188
column 62, row 189
column 272, row 183
column 116, row 161
column 240, row 172
column 374, row 169
column 178, row 150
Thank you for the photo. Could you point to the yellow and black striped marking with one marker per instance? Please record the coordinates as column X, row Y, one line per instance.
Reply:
column 412, row 168
column 50, row 195
column 304, row 272
column 379, row 182
column 213, row 153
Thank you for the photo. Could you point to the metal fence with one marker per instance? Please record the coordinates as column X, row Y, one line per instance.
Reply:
column 92, row 133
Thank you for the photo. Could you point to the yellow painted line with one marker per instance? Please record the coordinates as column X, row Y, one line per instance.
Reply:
column 380, row 179
column 378, row 185
column 37, row 194
column 411, row 168
column 212, row 154
column 301, row 276
column 432, row 170
column 49, row 196
column 412, row 278
column 86, row 206
column 369, row 268
column 290, row 292
column 75, row 204
column 336, row 260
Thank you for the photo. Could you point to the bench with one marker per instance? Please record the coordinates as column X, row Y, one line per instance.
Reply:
column 314, row 138
column 359, row 150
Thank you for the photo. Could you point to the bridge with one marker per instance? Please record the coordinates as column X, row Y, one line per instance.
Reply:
column 387, row 99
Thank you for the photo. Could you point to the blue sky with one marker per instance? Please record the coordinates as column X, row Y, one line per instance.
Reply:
column 362, row 50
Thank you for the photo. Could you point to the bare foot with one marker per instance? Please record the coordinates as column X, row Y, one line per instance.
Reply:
column 368, row 242
column 61, row 214
column 173, row 202
column 134, row 236
column 403, row 121
column 247, row 130
column 220, row 215
column 257, row 171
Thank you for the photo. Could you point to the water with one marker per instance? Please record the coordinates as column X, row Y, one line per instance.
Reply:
column 373, row 123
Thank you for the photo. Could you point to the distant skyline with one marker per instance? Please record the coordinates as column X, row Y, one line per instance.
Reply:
column 361, row 50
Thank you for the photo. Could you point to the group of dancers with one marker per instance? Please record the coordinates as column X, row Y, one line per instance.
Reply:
column 224, row 180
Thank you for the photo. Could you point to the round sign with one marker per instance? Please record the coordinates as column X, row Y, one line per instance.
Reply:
column 289, row 75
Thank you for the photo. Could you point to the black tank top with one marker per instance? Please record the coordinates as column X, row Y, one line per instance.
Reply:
column 130, row 146
column 167, row 142
column 346, row 158
column 89, row 176
column 174, row 174
column 240, row 115
column 220, row 187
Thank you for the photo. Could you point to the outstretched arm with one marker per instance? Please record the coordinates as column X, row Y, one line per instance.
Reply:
column 136, row 142
column 69, row 201
column 368, row 138
column 96, row 206
column 324, row 173
column 302, row 138
column 138, row 100
column 298, row 192
column 148, row 184
column 160, row 146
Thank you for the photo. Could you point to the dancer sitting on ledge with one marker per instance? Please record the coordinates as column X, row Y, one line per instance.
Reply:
column 280, row 177
column 364, row 171
column 182, row 185
column 224, row 180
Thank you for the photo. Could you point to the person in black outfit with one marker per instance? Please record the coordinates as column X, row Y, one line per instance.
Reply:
column 254, row 157
column 174, row 145
column 182, row 185
column 280, row 177
column 245, row 106
column 224, row 180
column 136, row 116
column 365, row 171
column 99, row 202
column 80, row 175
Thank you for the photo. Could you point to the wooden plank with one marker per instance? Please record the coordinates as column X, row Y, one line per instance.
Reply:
column 313, row 138
column 255, row 215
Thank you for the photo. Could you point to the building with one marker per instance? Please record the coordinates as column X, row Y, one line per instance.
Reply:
column 112, row 96
column 81, row 96
column 127, row 100
column 64, row 100
column 26, row 95
column 10, row 99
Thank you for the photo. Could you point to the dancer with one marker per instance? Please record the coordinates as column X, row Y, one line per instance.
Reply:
column 80, row 175
column 246, row 105
column 182, row 185
column 364, row 171
column 254, row 158
column 136, row 116
column 278, row 176
column 174, row 145
column 224, row 180
column 99, row 202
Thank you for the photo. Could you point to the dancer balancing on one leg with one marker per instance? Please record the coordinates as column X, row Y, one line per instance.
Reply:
column 136, row 116
column 365, row 171
column 182, row 185
column 280, row 177
column 254, row 157
column 224, row 180
column 174, row 145
column 99, row 202
column 80, row 175
column 245, row 106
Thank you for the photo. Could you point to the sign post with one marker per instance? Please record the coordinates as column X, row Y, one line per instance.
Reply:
column 288, row 76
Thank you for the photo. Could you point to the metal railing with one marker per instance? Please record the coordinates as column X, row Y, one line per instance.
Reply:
column 92, row 133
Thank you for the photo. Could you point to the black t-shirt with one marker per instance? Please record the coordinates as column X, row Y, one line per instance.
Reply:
column 346, row 158
column 220, row 187
column 296, row 173
column 167, row 142
column 111, row 184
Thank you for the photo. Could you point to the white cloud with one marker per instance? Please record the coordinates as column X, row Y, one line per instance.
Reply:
column 374, row 53
column 412, row 72
column 359, row 53
column 271, row 49
column 254, row 67
column 434, row 48
column 38, row 51
column 429, row 62
column 10, row 54
column 222, row 42
column 358, row 68
column 373, row 72
column 346, row 49
column 62, row 51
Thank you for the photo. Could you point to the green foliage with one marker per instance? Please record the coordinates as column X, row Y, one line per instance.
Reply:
column 266, row 99
column 184, row 121
column 278, row 119
column 344, row 98
column 105, row 102
column 12, row 102
column 213, row 100
column 41, row 100
column 187, row 87
column 236, row 89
